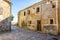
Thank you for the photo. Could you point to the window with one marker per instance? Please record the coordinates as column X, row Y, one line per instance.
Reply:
column 37, row 10
column 24, row 13
column 29, row 22
column 53, row 6
column 51, row 21
column 0, row 11
column 28, row 11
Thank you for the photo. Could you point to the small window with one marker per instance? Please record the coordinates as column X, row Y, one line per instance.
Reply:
column 29, row 22
column 53, row 6
column 51, row 21
column 37, row 10
column 28, row 11
column 24, row 13
column 51, row 2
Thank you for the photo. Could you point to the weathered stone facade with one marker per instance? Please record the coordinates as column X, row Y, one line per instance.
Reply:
column 42, row 16
column 5, row 15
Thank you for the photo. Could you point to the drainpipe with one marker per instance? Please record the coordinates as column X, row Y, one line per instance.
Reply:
column 57, row 15
column 41, row 17
column 10, row 18
column 26, row 19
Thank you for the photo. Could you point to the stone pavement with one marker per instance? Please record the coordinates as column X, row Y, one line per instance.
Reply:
column 22, row 34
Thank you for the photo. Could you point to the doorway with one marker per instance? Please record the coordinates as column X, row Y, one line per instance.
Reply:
column 38, row 25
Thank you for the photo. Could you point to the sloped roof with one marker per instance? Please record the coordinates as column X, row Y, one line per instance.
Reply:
column 41, row 2
column 7, row 2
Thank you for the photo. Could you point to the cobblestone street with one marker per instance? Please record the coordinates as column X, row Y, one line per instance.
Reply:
column 22, row 34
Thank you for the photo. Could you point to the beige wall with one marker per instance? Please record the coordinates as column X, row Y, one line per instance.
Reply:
column 46, row 13
column 6, row 14
column 6, row 9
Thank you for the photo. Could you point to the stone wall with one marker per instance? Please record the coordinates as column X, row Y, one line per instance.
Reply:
column 45, row 13
column 5, row 18
column 49, row 13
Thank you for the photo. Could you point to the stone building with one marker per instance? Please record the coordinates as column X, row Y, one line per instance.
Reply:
column 5, row 14
column 42, row 16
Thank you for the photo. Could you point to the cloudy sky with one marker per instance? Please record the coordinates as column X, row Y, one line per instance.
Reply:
column 19, row 5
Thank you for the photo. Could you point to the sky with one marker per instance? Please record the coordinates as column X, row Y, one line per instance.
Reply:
column 18, row 5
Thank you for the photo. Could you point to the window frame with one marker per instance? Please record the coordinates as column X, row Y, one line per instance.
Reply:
column 50, row 21
column 28, row 11
column 24, row 13
column 30, row 22
column 37, row 10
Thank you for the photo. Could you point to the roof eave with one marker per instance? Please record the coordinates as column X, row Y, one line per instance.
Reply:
column 8, row 2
